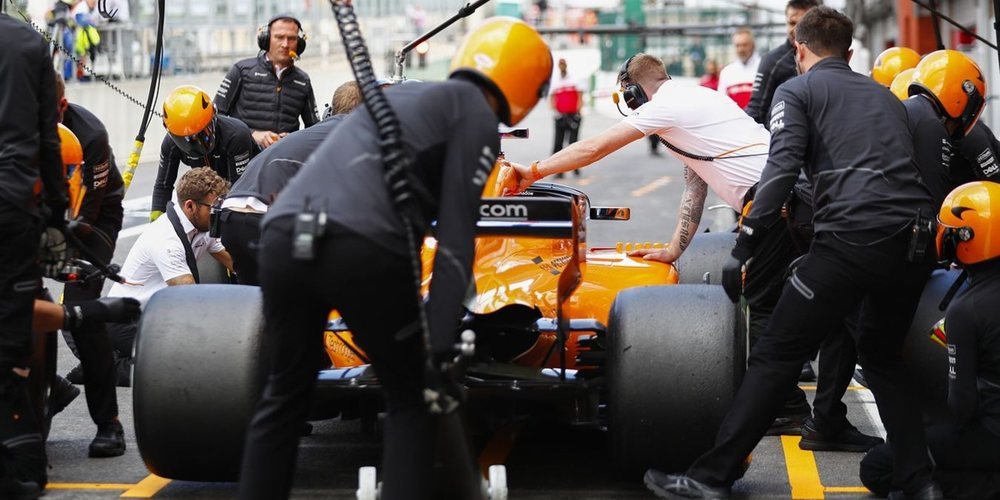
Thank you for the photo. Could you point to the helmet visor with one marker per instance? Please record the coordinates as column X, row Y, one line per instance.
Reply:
column 199, row 144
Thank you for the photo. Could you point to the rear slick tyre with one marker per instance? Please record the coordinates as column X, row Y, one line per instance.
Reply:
column 199, row 370
column 676, row 356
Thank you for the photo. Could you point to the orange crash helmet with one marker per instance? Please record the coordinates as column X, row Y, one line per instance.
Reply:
column 893, row 61
column 189, row 117
column 954, row 82
column 72, row 159
column 969, row 224
column 901, row 84
column 511, row 59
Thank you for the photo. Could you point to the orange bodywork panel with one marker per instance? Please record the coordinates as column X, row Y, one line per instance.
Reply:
column 525, row 271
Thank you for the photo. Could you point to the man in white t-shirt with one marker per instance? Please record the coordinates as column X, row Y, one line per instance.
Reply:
column 736, row 79
column 159, row 259
column 720, row 146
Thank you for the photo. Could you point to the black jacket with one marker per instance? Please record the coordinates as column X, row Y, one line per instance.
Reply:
column 29, row 140
column 973, row 323
column 102, row 204
column 269, row 172
column 850, row 134
column 452, row 135
column 943, row 165
column 777, row 67
column 252, row 93
column 234, row 148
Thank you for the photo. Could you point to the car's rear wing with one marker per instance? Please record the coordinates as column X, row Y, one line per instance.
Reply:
column 543, row 217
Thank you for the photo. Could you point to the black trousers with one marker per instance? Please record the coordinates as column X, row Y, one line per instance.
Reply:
column 241, row 237
column 966, row 462
column 766, row 276
column 22, row 450
column 20, row 279
column 91, row 343
column 833, row 280
column 375, row 294
column 567, row 130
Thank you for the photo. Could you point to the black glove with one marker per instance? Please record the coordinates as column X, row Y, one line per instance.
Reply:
column 732, row 278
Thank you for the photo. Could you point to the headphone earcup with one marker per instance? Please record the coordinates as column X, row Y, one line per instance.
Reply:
column 264, row 37
column 300, row 46
column 634, row 96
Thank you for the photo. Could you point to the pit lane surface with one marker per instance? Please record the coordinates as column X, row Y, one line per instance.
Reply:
column 544, row 460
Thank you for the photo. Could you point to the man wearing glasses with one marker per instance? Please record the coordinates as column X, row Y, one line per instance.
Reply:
column 161, row 258
column 198, row 137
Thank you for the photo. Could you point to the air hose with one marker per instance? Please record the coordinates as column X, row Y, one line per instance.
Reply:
column 405, row 189
column 154, row 89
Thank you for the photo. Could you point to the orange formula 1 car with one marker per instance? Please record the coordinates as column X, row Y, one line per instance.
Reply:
column 587, row 335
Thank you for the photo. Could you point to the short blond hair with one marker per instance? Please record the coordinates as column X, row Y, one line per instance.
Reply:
column 346, row 98
column 646, row 69
column 200, row 184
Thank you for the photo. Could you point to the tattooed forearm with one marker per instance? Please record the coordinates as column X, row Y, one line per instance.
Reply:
column 692, row 206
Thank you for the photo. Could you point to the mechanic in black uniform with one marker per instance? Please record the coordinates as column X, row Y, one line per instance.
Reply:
column 30, row 168
column 778, row 65
column 199, row 137
column 266, row 175
column 101, row 209
column 867, row 194
column 451, row 130
column 966, row 449
column 935, row 113
column 269, row 92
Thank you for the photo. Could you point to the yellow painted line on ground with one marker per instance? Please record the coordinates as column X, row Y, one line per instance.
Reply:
column 146, row 488
column 88, row 486
column 850, row 388
column 803, row 475
column 847, row 489
column 499, row 446
column 652, row 186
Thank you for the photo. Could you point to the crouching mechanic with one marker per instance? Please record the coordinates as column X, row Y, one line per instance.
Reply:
column 167, row 252
column 451, row 130
column 198, row 137
column 965, row 450
column 266, row 175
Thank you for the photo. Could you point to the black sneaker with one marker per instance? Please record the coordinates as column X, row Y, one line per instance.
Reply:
column 680, row 486
column 75, row 376
column 807, row 374
column 848, row 439
column 928, row 492
column 109, row 441
column 13, row 489
column 61, row 395
column 787, row 426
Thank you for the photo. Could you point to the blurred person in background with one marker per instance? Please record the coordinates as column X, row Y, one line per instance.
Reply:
column 566, row 98
column 736, row 79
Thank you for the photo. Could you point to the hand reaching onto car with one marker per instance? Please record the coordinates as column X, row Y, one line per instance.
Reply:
column 667, row 254
column 517, row 179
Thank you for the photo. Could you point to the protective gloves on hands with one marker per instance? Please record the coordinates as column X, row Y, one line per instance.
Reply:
column 734, row 270
column 53, row 252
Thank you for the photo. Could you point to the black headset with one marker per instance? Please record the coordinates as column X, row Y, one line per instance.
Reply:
column 632, row 93
column 264, row 34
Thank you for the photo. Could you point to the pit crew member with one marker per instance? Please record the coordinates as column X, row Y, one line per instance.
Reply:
column 269, row 92
column 867, row 194
column 198, row 137
column 965, row 449
column 266, row 175
column 778, row 65
column 451, row 129
column 166, row 253
column 101, row 209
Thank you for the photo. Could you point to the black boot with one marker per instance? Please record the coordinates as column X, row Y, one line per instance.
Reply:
column 13, row 489
column 61, row 395
column 109, row 441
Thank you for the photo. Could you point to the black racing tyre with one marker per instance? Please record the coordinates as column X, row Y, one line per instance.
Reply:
column 199, row 369
column 676, row 356
column 707, row 253
column 211, row 271
column 926, row 360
